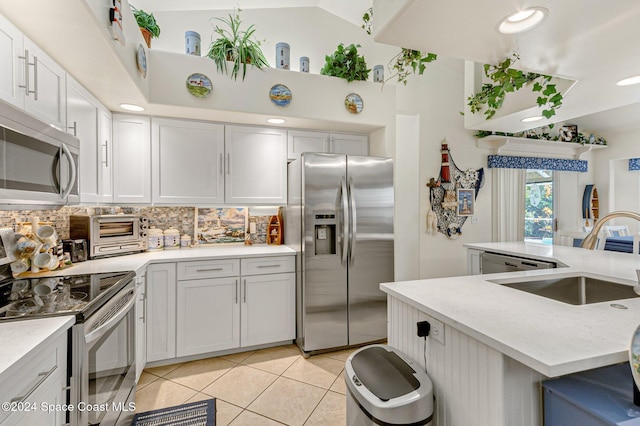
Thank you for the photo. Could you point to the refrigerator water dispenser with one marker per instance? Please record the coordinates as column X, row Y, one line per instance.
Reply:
column 325, row 234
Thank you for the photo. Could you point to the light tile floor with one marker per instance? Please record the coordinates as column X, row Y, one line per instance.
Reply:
column 272, row 386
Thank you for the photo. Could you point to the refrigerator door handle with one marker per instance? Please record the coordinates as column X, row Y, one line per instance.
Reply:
column 353, row 225
column 345, row 219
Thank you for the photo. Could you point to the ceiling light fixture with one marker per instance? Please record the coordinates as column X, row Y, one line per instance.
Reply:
column 635, row 79
column 276, row 120
column 131, row 107
column 523, row 20
column 532, row 119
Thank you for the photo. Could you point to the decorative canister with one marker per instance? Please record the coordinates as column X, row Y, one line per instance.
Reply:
column 192, row 43
column 304, row 64
column 185, row 241
column 155, row 239
column 171, row 239
column 378, row 74
column 282, row 55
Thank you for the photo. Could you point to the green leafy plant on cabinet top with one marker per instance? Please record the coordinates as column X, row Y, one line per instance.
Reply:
column 507, row 80
column 147, row 21
column 236, row 45
column 346, row 63
column 405, row 63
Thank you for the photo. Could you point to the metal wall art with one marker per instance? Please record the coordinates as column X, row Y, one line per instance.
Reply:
column 452, row 196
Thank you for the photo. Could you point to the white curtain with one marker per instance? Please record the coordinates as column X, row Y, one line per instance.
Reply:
column 508, row 186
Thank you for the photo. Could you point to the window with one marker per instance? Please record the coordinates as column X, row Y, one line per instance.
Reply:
column 538, row 217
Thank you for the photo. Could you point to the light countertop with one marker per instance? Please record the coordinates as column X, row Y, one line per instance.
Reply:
column 138, row 262
column 19, row 338
column 551, row 337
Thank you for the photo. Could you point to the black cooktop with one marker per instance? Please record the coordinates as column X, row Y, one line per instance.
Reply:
column 78, row 295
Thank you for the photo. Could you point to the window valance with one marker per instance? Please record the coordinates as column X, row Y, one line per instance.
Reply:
column 513, row 162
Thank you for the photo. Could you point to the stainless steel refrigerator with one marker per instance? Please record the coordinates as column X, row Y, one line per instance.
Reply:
column 340, row 218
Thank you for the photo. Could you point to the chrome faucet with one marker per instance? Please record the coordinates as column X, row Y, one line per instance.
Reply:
column 590, row 240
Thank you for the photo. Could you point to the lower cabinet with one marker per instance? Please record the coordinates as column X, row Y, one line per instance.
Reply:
column 219, row 305
column 37, row 382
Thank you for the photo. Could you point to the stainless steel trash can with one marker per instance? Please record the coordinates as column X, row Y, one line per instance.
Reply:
column 386, row 387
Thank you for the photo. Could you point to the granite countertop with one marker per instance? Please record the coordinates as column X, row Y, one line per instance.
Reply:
column 19, row 338
column 551, row 337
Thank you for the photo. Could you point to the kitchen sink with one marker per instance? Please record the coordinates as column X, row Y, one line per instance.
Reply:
column 578, row 289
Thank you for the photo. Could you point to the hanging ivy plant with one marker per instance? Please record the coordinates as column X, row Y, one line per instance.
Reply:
column 405, row 63
column 346, row 63
column 506, row 80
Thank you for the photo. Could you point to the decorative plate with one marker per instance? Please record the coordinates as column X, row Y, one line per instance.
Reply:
column 353, row 103
column 199, row 85
column 280, row 95
column 634, row 356
column 141, row 61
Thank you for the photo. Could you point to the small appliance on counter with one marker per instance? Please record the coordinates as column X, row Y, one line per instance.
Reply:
column 110, row 234
column 77, row 249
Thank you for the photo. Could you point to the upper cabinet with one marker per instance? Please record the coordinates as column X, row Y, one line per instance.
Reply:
column 131, row 159
column 255, row 165
column 90, row 121
column 29, row 78
column 335, row 143
column 188, row 159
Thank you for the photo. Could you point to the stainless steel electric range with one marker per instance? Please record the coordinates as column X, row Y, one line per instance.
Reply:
column 102, row 341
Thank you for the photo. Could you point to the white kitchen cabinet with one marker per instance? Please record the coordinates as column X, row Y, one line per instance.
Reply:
column 48, row 81
column 141, row 324
column 11, row 66
column 105, row 158
column 208, row 315
column 90, row 121
column 29, row 78
column 299, row 141
column 37, row 378
column 268, row 309
column 188, row 162
column 255, row 165
column 131, row 159
column 161, row 311
column 474, row 264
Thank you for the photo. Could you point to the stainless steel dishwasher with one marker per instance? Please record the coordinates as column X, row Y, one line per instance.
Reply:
column 492, row 263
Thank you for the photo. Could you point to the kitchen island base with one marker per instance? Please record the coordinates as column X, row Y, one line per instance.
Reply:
column 474, row 384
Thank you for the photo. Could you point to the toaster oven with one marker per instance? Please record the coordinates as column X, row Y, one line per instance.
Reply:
column 111, row 234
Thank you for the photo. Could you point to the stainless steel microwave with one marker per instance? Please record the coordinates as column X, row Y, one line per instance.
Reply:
column 38, row 163
column 110, row 234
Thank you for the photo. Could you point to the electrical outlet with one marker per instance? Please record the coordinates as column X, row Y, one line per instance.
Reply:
column 474, row 219
column 437, row 330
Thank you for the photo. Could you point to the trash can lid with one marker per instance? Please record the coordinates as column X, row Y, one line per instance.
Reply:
column 384, row 373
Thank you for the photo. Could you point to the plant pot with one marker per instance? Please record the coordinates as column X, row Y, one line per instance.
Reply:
column 146, row 34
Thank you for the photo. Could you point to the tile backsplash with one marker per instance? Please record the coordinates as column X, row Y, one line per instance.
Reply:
column 181, row 218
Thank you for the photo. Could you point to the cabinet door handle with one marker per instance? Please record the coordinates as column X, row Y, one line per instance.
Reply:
column 106, row 154
column 209, row 270
column 221, row 165
column 35, row 77
column 228, row 164
column 269, row 266
column 41, row 378
column 27, row 78
column 237, row 291
column 75, row 128
column 245, row 290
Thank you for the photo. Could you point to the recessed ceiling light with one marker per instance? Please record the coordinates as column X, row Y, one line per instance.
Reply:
column 532, row 119
column 276, row 120
column 131, row 107
column 635, row 79
column 523, row 20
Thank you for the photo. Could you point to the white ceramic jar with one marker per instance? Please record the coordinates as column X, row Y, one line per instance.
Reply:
column 282, row 55
column 185, row 241
column 155, row 239
column 171, row 239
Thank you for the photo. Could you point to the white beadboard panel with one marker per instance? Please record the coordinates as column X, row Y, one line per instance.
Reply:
column 473, row 383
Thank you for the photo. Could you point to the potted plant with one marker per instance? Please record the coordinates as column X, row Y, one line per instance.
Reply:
column 346, row 63
column 237, row 46
column 408, row 62
column 147, row 23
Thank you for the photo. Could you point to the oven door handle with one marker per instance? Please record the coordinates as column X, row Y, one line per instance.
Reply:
column 114, row 318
